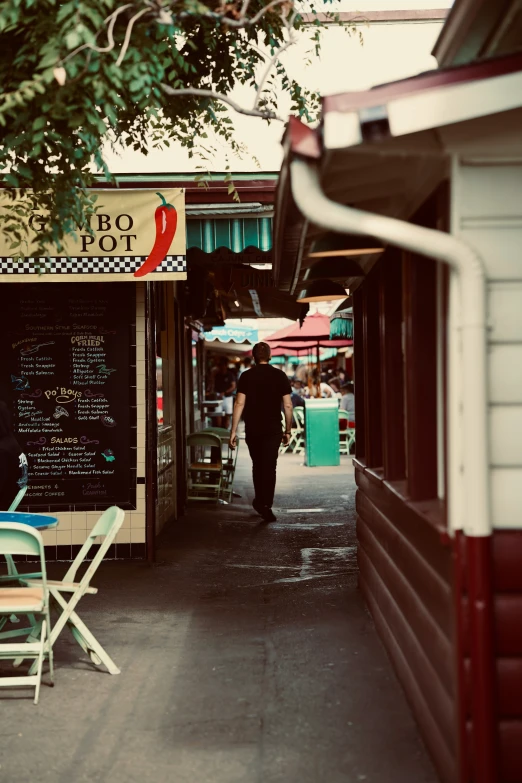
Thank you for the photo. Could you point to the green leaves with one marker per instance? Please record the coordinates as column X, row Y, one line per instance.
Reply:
column 52, row 134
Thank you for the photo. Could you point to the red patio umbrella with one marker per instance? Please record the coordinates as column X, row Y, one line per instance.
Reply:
column 315, row 331
column 315, row 327
column 304, row 345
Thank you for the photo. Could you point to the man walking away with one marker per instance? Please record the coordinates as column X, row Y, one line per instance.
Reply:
column 259, row 395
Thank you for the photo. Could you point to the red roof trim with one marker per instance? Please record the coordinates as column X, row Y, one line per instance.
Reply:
column 262, row 191
column 353, row 101
column 377, row 17
column 303, row 140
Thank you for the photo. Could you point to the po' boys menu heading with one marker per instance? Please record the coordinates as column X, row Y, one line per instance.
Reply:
column 65, row 361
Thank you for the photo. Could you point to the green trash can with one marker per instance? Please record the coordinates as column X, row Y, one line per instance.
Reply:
column 322, row 432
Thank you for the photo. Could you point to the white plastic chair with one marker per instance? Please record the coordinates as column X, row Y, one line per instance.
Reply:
column 33, row 601
column 297, row 437
column 106, row 527
column 346, row 436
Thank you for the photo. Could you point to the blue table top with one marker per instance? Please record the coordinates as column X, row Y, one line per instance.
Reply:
column 38, row 521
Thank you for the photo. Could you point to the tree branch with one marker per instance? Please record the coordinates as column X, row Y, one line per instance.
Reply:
column 111, row 19
column 216, row 96
column 241, row 22
column 269, row 67
column 128, row 34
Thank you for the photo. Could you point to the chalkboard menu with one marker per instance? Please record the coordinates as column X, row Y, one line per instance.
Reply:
column 66, row 357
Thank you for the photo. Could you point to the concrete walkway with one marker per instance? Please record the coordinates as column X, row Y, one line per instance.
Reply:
column 247, row 656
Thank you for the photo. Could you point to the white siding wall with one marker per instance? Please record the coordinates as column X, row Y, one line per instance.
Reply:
column 489, row 216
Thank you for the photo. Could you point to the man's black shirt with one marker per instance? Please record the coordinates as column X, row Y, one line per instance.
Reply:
column 264, row 387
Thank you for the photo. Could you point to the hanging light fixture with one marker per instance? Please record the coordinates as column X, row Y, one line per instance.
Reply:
column 343, row 245
column 333, row 267
column 322, row 291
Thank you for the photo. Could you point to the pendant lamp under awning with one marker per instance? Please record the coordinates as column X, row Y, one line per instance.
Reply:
column 322, row 291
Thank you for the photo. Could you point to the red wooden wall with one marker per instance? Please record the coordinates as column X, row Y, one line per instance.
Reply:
column 507, row 588
column 405, row 576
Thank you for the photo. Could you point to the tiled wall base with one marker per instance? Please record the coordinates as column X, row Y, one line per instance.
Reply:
column 67, row 553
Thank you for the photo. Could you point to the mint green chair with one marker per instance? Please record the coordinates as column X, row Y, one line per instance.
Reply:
column 12, row 573
column 18, row 499
column 28, row 600
column 68, row 592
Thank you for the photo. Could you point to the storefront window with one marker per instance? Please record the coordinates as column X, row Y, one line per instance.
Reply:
column 159, row 390
column 195, row 377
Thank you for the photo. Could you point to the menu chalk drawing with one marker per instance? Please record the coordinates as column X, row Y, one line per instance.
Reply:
column 66, row 353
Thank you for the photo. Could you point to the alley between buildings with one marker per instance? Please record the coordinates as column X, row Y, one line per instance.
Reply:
column 246, row 652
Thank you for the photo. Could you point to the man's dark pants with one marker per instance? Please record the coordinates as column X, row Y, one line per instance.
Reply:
column 264, row 450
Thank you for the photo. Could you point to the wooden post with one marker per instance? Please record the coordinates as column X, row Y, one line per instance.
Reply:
column 151, row 424
column 392, row 380
column 420, row 317
column 358, row 373
column 372, row 372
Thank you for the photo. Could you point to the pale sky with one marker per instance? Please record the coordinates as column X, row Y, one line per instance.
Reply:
column 389, row 52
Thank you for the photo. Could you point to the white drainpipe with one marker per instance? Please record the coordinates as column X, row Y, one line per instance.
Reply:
column 468, row 454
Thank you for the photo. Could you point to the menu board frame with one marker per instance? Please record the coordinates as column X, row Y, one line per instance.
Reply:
column 73, row 413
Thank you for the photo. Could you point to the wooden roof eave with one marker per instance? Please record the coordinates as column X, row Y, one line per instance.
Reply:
column 365, row 179
column 470, row 29
column 422, row 122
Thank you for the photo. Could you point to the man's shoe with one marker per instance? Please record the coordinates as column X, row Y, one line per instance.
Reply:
column 268, row 515
column 257, row 507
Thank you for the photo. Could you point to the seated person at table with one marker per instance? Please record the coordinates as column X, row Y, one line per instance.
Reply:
column 225, row 386
column 348, row 400
column 335, row 384
column 319, row 388
column 13, row 464
column 297, row 398
column 297, row 395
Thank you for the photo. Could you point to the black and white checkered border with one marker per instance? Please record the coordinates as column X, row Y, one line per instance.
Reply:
column 88, row 266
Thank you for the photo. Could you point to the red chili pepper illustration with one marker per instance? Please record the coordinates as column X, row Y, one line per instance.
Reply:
column 166, row 222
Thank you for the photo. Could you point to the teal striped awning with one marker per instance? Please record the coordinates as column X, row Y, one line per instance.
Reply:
column 236, row 234
column 341, row 325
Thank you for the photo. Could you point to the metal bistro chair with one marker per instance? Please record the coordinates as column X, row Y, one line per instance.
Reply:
column 346, row 435
column 228, row 461
column 205, row 473
column 29, row 600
